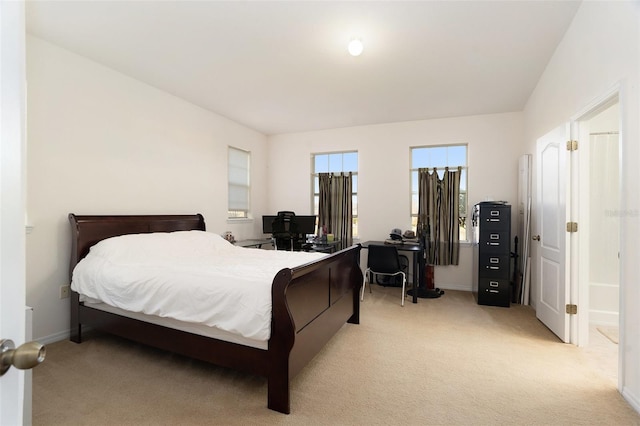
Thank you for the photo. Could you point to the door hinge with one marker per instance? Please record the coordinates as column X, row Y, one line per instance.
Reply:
column 572, row 309
column 572, row 145
column 572, row 226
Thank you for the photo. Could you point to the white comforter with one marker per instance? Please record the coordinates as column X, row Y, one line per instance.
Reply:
column 191, row 276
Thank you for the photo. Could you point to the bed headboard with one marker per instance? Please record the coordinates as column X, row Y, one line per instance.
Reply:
column 88, row 230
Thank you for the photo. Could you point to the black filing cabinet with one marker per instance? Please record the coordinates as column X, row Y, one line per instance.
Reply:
column 492, row 253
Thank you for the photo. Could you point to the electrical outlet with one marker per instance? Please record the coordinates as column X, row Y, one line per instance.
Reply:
column 64, row 291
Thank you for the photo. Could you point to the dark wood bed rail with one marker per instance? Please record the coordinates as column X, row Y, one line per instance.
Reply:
column 310, row 303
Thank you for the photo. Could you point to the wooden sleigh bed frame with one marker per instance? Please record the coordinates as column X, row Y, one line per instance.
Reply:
column 310, row 303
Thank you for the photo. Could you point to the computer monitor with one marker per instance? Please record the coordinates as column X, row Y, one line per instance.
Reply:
column 267, row 222
column 305, row 224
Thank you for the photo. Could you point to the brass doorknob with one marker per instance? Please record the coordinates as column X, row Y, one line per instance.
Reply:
column 28, row 355
column 536, row 238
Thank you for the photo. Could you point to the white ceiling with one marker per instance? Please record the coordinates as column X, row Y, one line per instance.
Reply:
column 281, row 67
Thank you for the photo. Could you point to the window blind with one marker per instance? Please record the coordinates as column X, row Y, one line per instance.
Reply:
column 238, row 180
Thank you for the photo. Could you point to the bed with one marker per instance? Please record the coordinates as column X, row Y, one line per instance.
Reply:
column 309, row 304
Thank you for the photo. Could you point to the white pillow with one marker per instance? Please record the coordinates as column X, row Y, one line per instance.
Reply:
column 156, row 247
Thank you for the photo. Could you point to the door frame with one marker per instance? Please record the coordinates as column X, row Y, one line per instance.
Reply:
column 580, row 256
column 577, row 210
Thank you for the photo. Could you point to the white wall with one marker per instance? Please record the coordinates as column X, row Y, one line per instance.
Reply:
column 599, row 51
column 100, row 142
column 384, row 202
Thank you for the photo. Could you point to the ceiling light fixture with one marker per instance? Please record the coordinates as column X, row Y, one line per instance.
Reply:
column 356, row 47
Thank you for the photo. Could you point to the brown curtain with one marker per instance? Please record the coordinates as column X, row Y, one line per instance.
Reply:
column 438, row 215
column 335, row 206
column 324, row 202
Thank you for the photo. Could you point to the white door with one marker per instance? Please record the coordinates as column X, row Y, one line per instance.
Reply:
column 12, row 202
column 550, row 233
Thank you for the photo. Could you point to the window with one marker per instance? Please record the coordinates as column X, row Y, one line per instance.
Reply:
column 239, row 188
column 336, row 162
column 440, row 157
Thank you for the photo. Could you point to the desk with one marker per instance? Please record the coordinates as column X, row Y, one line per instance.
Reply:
column 418, row 261
column 253, row 243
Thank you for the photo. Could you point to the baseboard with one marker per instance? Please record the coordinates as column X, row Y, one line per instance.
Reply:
column 631, row 399
column 53, row 338
column 607, row 318
column 459, row 287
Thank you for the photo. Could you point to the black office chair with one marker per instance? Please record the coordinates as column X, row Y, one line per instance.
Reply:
column 285, row 232
column 384, row 260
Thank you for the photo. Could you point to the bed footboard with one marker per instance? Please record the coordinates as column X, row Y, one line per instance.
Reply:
column 310, row 305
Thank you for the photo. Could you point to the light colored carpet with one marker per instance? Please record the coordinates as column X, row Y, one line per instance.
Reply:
column 445, row 361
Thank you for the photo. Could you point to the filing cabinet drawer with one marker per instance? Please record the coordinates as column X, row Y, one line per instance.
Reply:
column 494, row 266
column 494, row 292
column 495, row 217
column 494, row 241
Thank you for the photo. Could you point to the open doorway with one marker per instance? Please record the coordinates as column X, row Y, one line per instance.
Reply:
column 599, row 219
